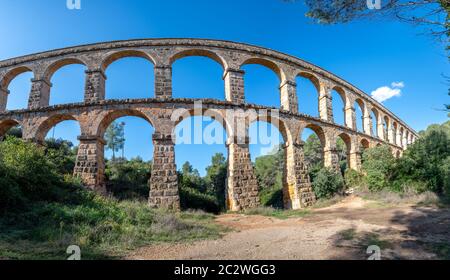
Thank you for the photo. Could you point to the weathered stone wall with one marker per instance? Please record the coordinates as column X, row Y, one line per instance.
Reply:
column 164, row 181
column 90, row 164
column 242, row 186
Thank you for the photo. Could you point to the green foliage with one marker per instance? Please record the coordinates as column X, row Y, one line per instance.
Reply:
column 424, row 166
column 128, row 179
column 27, row 174
column 42, row 212
column 216, row 176
column 207, row 194
column 15, row 132
column 416, row 12
column 327, row 183
column 313, row 151
column 427, row 160
column 191, row 198
column 269, row 173
column 115, row 137
column 62, row 154
column 378, row 164
column 354, row 179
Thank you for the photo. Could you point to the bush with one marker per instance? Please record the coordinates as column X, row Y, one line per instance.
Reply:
column 191, row 198
column 426, row 161
column 195, row 192
column 354, row 179
column 27, row 174
column 272, row 197
column 128, row 179
column 327, row 183
column 445, row 169
column 269, row 173
column 377, row 165
column 41, row 213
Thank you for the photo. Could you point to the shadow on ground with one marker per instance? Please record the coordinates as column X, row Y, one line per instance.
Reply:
column 422, row 233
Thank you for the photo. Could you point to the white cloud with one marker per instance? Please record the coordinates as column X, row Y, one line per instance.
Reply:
column 398, row 84
column 384, row 93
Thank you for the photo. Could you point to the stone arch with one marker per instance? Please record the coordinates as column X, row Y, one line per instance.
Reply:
column 375, row 122
column 362, row 106
column 184, row 114
column 395, row 132
column 104, row 121
column 6, row 125
column 364, row 143
column 308, row 93
column 318, row 131
column 342, row 94
column 268, row 64
column 55, row 66
column 312, row 78
column 12, row 74
column 348, row 146
column 113, row 57
column 209, row 65
column 276, row 122
column 44, row 127
column 199, row 52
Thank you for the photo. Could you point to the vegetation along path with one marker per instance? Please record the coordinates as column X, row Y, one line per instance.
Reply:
column 342, row 231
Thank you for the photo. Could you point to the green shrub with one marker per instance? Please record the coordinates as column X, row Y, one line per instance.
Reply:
column 191, row 198
column 377, row 165
column 27, row 173
column 62, row 154
column 128, row 179
column 445, row 169
column 426, row 161
column 269, row 173
column 272, row 197
column 354, row 179
column 327, row 183
column 42, row 213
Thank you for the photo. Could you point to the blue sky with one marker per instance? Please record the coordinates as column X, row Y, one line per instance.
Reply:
column 369, row 54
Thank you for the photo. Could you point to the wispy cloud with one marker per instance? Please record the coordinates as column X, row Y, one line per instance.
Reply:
column 387, row 92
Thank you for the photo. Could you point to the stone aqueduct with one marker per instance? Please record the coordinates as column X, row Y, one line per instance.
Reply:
column 95, row 114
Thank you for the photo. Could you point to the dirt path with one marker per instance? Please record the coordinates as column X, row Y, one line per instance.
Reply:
column 342, row 231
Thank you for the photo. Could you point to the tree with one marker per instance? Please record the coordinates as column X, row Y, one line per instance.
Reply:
column 269, row 171
column 216, row 176
column 327, row 183
column 432, row 14
column 61, row 153
column 194, row 191
column 313, row 151
column 115, row 139
column 15, row 131
column 426, row 161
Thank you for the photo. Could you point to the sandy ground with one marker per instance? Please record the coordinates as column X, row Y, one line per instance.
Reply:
column 342, row 231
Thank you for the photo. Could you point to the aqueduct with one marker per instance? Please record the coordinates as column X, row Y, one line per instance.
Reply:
column 95, row 114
